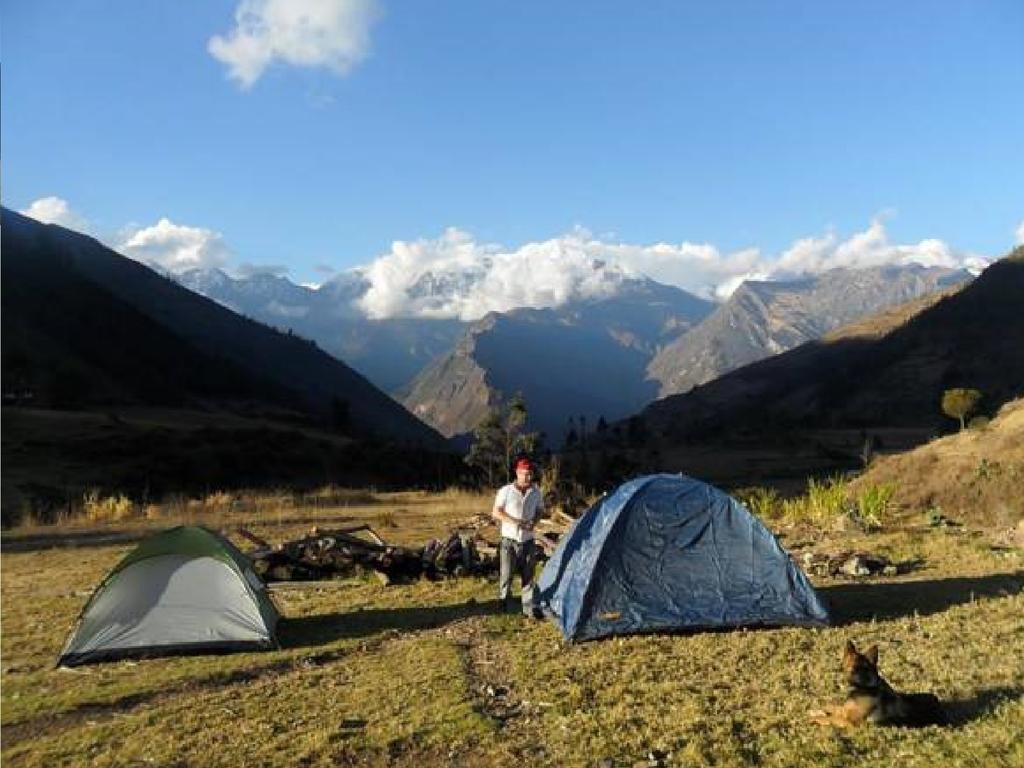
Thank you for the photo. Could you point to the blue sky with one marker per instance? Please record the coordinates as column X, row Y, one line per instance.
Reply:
column 736, row 125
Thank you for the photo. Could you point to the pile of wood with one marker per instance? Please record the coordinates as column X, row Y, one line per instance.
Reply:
column 549, row 531
column 470, row 549
column 854, row 564
column 339, row 553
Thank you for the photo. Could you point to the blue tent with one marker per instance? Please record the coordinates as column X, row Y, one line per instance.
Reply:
column 667, row 552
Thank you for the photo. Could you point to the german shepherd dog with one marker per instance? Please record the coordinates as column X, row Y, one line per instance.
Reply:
column 869, row 699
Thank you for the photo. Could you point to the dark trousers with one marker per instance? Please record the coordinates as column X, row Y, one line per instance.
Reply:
column 517, row 556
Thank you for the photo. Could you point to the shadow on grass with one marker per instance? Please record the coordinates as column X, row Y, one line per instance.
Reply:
column 850, row 603
column 70, row 540
column 963, row 711
column 313, row 631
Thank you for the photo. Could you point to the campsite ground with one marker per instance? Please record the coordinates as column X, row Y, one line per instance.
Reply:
column 430, row 674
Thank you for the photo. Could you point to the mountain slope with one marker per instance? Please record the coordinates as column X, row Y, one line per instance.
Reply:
column 585, row 358
column 972, row 476
column 973, row 338
column 119, row 325
column 389, row 352
column 762, row 319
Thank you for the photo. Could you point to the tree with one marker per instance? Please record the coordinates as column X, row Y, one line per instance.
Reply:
column 499, row 437
column 959, row 402
column 515, row 422
column 486, row 451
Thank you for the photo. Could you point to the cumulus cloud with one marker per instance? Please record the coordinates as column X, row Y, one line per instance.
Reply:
column 174, row 247
column 329, row 34
column 1020, row 234
column 456, row 276
column 55, row 210
column 870, row 248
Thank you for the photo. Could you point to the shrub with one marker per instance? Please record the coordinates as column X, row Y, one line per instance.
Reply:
column 218, row 500
column 873, row 504
column 824, row 502
column 107, row 508
column 796, row 510
column 827, row 499
column 763, row 502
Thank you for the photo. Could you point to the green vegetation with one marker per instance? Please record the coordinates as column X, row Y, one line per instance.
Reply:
column 499, row 437
column 873, row 504
column 958, row 403
column 430, row 674
column 825, row 503
column 764, row 502
column 115, row 508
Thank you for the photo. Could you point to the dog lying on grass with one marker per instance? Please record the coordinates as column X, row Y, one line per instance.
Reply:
column 870, row 699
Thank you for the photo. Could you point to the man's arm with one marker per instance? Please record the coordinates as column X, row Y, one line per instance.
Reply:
column 498, row 513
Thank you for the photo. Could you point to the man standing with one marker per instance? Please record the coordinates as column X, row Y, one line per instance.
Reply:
column 517, row 507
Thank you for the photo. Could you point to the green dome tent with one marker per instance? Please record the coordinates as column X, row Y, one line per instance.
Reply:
column 186, row 590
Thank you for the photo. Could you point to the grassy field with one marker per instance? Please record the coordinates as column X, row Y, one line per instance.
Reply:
column 431, row 674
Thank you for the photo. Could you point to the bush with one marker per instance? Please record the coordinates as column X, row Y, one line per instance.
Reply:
column 979, row 423
column 107, row 508
column 762, row 502
column 827, row 499
column 873, row 504
column 218, row 500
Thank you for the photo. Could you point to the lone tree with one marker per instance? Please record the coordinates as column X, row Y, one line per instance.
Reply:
column 499, row 437
column 958, row 403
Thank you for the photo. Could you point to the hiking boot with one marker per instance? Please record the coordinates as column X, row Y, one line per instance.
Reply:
column 532, row 612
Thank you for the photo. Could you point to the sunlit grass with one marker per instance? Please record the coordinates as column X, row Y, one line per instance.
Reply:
column 430, row 674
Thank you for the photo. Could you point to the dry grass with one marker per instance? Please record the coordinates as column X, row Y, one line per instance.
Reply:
column 975, row 476
column 429, row 674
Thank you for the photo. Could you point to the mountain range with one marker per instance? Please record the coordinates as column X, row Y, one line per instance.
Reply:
column 84, row 325
column 389, row 352
column 883, row 375
column 606, row 356
column 762, row 319
column 585, row 358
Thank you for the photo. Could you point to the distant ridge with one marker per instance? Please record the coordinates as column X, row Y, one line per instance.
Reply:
column 85, row 323
column 762, row 319
column 973, row 337
column 585, row 358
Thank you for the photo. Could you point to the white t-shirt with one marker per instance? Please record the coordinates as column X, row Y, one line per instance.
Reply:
column 522, row 506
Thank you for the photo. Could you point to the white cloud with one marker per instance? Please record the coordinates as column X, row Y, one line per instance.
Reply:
column 329, row 34
column 456, row 276
column 54, row 210
column 1019, row 233
column 174, row 247
column 870, row 248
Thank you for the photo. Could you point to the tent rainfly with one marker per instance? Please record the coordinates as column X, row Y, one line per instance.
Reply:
column 185, row 590
column 666, row 553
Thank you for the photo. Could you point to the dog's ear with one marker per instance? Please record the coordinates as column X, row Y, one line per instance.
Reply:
column 872, row 654
column 849, row 656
